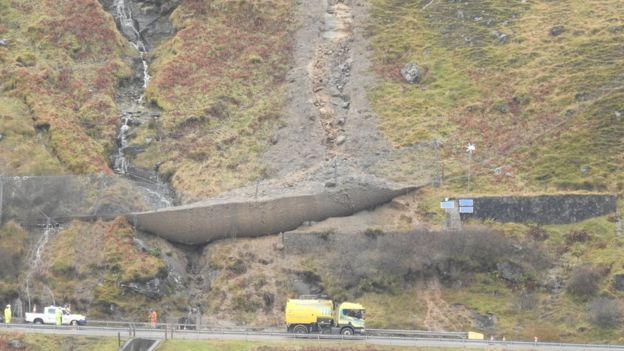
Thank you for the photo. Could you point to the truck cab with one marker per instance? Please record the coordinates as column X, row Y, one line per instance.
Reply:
column 323, row 316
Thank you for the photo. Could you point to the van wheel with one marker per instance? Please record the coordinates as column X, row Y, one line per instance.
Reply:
column 38, row 321
column 300, row 329
column 346, row 331
column 73, row 323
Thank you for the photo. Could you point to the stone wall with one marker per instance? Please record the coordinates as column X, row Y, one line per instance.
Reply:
column 545, row 209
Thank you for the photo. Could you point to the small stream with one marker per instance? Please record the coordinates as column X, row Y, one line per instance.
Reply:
column 35, row 260
column 134, row 112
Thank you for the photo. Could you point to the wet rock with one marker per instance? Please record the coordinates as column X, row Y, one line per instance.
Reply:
column 16, row 344
column 556, row 31
column 153, row 289
column 510, row 271
column 412, row 73
column 484, row 321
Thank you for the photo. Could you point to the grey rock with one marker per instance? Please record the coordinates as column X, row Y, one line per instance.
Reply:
column 617, row 115
column 510, row 271
column 618, row 282
column 340, row 139
column 16, row 344
column 484, row 321
column 556, row 31
column 501, row 38
column 582, row 96
column 153, row 289
column 274, row 139
column 3, row 42
column 412, row 73
column 1, row 136
column 585, row 169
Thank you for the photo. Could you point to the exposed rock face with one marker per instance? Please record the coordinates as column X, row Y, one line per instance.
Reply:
column 412, row 73
column 154, row 289
column 151, row 16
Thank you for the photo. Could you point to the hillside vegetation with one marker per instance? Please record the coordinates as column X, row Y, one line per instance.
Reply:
column 219, row 82
column 537, row 86
column 60, row 69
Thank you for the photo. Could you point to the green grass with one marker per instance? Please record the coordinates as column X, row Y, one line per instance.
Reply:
column 541, row 107
column 41, row 342
column 60, row 69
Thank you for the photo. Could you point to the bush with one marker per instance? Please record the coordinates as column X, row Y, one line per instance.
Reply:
column 584, row 281
column 537, row 233
column 605, row 312
column 370, row 262
column 577, row 236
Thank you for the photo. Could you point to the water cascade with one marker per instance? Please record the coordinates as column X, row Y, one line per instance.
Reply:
column 134, row 112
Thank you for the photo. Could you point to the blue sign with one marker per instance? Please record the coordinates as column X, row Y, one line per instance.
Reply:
column 466, row 203
column 447, row 205
column 466, row 210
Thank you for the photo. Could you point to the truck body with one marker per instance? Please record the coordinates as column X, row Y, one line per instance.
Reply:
column 49, row 317
column 323, row 316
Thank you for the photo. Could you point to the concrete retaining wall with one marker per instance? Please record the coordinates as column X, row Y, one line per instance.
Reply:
column 546, row 209
column 205, row 222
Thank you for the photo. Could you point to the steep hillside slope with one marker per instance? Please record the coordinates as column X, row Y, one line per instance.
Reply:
column 536, row 85
column 60, row 68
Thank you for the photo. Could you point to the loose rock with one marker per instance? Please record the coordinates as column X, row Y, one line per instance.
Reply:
column 340, row 139
column 556, row 31
column 412, row 73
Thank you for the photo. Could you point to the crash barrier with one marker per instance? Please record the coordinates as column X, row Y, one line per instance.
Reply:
column 173, row 331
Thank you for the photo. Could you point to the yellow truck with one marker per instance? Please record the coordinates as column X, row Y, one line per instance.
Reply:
column 305, row 316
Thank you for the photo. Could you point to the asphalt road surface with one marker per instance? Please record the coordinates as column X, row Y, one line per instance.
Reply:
column 162, row 334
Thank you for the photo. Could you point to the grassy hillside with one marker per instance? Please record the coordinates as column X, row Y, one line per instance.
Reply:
column 59, row 71
column 536, row 85
column 219, row 82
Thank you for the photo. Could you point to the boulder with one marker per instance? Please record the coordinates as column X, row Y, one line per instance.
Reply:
column 412, row 73
column 510, row 271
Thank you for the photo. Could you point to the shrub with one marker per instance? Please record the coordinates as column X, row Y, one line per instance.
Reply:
column 537, row 233
column 577, row 236
column 605, row 312
column 584, row 281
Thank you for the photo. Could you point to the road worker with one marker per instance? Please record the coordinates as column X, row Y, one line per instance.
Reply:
column 59, row 316
column 153, row 318
column 7, row 314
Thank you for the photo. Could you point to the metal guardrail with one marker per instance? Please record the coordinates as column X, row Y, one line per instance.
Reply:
column 417, row 333
column 165, row 331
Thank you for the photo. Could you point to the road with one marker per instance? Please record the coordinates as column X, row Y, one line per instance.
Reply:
column 126, row 332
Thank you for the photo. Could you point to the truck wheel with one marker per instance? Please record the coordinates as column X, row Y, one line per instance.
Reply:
column 73, row 323
column 300, row 329
column 346, row 331
column 38, row 321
